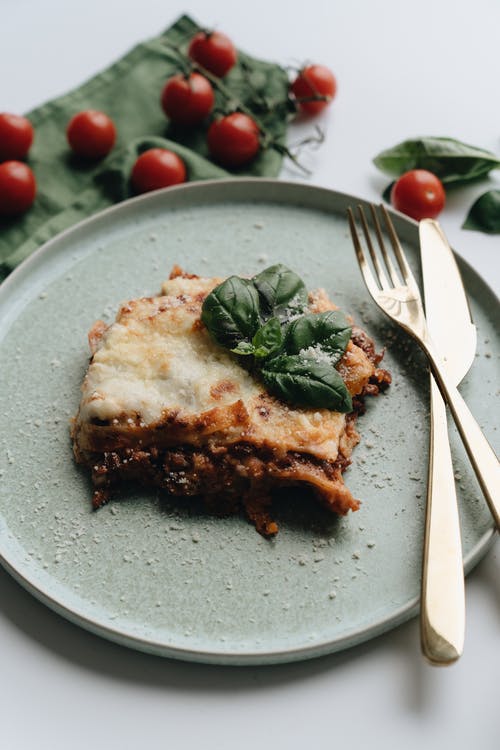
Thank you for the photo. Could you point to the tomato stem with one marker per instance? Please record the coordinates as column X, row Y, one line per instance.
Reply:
column 317, row 139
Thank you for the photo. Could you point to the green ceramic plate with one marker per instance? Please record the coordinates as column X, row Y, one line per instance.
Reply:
column 163, row 576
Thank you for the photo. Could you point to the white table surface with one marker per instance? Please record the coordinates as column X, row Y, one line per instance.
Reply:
column 404, row 69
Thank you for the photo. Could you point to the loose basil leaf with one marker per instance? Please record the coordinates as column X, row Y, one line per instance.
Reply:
column 280, row 290
column 231, row 311
column 268, row 339
column 452, row 161
column 303, row 381
column 484, row 214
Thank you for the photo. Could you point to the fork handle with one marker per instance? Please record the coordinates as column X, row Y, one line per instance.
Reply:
column 442, row 607
column 481, row 454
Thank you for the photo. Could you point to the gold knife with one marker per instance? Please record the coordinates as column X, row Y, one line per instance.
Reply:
column 442, row 613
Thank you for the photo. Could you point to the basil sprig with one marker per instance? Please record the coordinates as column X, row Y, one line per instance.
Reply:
column 454, row 162
column 263, row 320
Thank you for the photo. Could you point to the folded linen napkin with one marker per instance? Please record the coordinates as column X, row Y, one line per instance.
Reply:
column 70, row 189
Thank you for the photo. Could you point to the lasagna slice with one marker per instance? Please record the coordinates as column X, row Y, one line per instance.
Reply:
column 165, row 405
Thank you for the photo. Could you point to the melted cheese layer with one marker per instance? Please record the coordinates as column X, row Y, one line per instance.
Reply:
column 157, row 366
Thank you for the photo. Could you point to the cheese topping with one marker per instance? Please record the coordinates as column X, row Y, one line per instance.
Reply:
column 158, row 362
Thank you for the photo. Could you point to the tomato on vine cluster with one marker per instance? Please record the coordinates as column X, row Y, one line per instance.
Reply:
column 234, row 137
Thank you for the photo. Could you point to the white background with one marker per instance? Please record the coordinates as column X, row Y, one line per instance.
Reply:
column 404, row 69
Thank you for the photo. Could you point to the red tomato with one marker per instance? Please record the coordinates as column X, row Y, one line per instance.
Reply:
column 214, row 51
column 91, row 134
column 419, row 194
column 314, row 80
column 187, row 101
column 157, row 168
column 17, row 188
column 16, row 136
column 233, row 140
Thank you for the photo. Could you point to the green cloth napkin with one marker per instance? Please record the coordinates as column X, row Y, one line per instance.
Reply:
column 70, row 189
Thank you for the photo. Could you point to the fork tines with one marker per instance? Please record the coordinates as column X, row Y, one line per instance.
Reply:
column 386, row 277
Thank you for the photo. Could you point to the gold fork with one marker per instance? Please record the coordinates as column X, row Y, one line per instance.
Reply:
column 401, row 301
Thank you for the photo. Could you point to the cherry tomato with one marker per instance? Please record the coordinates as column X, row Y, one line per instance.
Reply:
column 214, row 51
column 419, row 194
column 17, row 188
column 314, row 80
column 187, row 101
column 233, row 140
column 16, row 136
column 157, row 168
column 91, row 134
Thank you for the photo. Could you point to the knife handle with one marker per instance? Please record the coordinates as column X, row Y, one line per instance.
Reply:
column 442, row 608
column 481, row 454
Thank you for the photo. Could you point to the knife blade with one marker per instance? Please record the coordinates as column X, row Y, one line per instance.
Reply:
column 446, row 305
column 442, row 614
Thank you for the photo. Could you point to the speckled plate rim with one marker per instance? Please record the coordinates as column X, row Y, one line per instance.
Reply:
column 224, row 656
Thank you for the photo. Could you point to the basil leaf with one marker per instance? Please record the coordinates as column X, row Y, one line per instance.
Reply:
column 268, row 339
column 303, row 381
column 280, row 290
column 484, row 214
column 322, row 336
column 452, row 161
column 244, row 348
column 231, row 311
